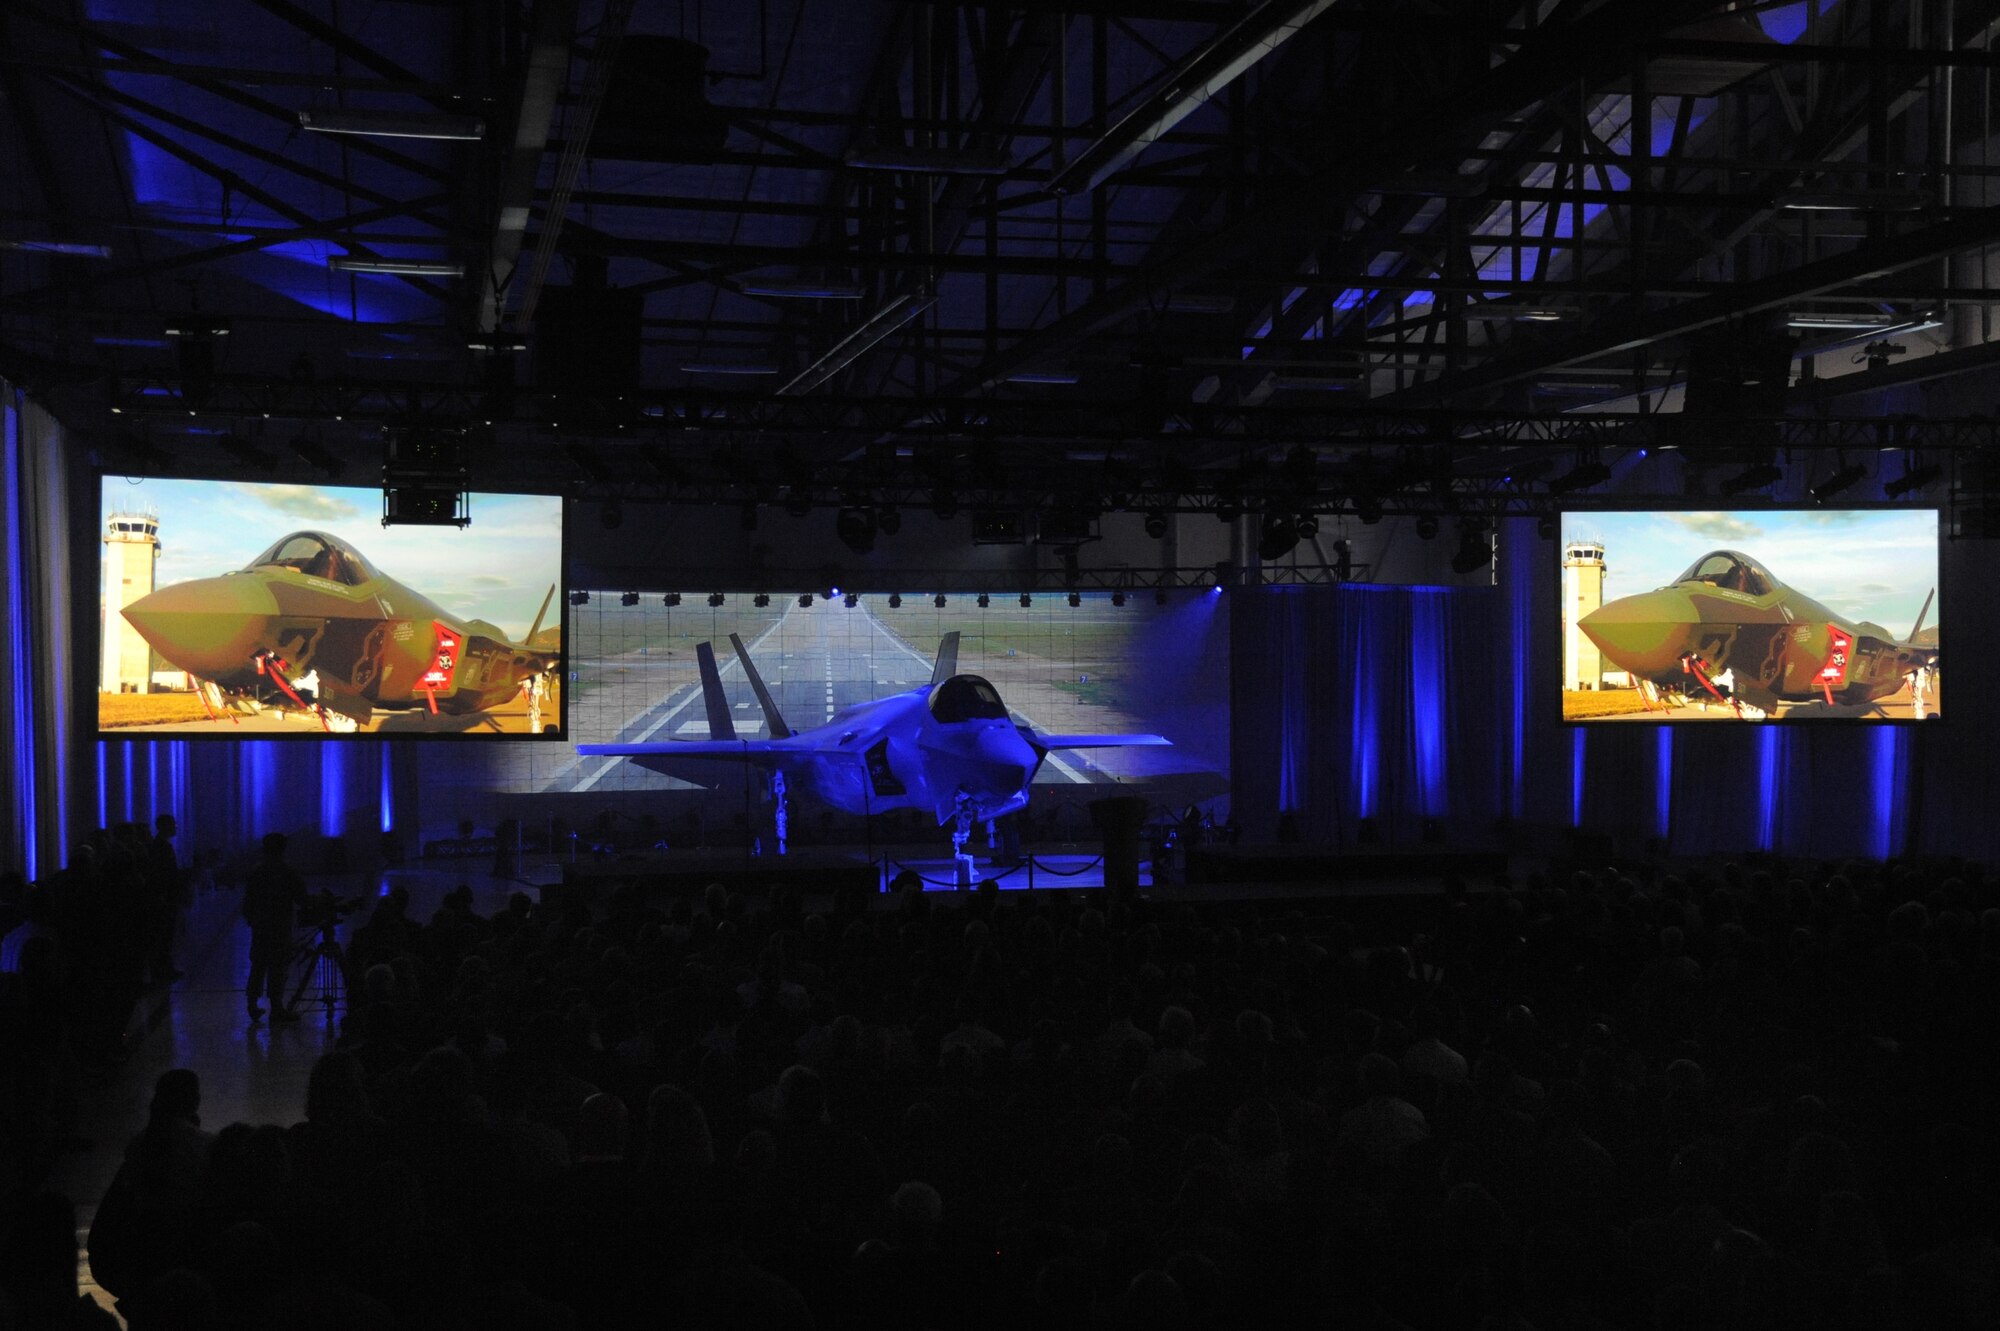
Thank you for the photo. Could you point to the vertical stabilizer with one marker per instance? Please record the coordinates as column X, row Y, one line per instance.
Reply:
column 536, row 627
column 719, row 724
column 778, row 728
column 947, row 659
column 1919, row 626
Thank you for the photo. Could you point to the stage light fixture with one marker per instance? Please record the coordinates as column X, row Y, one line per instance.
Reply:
column 579, row 598
column 850, row 600
column 1913, row 478
column 888, row 520
column 1580, row 477
column 1278, row 535
column 1368, row 508
column 762, row 600
column 1760, row 476
column 1156, row 523
column 805, row 600
column 715, row 600
column 798, row 502
column 1075, row 599
column 1118, row 598
column 938, row 600
column 1845, row 478
column 984, row 600
column 1308, row 525
column 1545, row 527
column 1474, row 552
column 670, row 600
column 629, row 598
column 895, row 600
column 1427, row 527
column 1026, row 600
column 1228, row 508
column 944, row 505
column 855, row 526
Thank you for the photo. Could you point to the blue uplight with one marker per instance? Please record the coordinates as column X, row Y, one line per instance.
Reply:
column 1663, row 781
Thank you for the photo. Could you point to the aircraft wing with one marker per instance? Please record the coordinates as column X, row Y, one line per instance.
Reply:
column 763, row 753
column 1095, row 741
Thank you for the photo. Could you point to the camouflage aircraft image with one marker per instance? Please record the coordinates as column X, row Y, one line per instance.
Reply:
column 948, row 747
column 310, row 615
column 1728, row 613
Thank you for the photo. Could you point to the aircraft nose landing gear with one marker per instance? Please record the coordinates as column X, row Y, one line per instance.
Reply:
column 961, row 832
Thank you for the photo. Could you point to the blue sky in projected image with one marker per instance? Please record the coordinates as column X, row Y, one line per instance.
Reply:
column 498, row 569
column 1875, row 565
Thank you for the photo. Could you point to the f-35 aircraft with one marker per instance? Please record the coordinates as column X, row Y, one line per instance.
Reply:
column 310, row 607
column 949, row 747
column 1727, row 612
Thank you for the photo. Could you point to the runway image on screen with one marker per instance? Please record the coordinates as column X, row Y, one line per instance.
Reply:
column 1751, row 615
column 240, row 610
column 863, row 676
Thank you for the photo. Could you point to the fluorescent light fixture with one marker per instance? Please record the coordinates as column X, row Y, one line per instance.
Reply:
column 496, row 347
column 1433, row 184
column 1324, row 382
column 787, row 290
column 70, row 248
column 1043, row 377
column 1576, row 387
column 198, row 328
column 104, row 341
column 1504, row 311
column 1854, row 200
column 400, row 353
column 929, row 161
column 706, row 368
column 393, row 124
column 348, row 263
column 1189, row 302
column 1860, row 319
column 852, row 347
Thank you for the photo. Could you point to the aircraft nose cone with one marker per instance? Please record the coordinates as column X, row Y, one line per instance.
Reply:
column 208, row 627
column 1644, row 634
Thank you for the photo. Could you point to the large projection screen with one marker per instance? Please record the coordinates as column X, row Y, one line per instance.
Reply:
column 242, row 610
column 1095, row 667
column 1758, row 615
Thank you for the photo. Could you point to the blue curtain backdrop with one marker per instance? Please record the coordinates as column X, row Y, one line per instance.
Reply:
column 36, row 663
column 1407, row 704
column 1365, row 702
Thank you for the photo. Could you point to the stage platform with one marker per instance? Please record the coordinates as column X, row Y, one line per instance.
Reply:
column 1218, row 874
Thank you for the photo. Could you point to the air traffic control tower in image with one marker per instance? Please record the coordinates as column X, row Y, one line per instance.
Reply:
column 1583, row 592
column 131, row 553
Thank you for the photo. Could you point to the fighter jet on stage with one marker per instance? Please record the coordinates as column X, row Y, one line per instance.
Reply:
column 948, row 748
column 310, row 608
column 1727, row 612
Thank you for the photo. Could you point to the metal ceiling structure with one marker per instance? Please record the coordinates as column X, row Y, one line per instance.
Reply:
column 1149, row 251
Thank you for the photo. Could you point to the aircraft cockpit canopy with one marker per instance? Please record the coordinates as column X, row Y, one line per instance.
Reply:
column 317, row 555
column 1730, row 571
column 966, row 698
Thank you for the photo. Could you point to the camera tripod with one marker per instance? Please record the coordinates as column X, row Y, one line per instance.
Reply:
column 322, row 962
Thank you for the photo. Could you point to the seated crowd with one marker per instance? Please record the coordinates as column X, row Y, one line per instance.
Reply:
column 1705, row 1097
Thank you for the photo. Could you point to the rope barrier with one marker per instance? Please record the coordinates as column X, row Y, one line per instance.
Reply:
column 1073, row 873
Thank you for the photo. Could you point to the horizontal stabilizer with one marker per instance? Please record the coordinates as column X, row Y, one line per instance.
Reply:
column 776, row 723
column 1099, row 741
column 720, row 724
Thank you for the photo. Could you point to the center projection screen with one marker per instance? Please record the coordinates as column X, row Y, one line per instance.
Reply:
column 1096, row 667
column 253, row 611
column 1758, row 615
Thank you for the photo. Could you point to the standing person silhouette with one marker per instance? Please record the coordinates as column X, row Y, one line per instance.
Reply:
column 271, row 895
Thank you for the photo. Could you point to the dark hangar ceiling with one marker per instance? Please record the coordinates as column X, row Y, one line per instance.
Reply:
column 734, row 249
